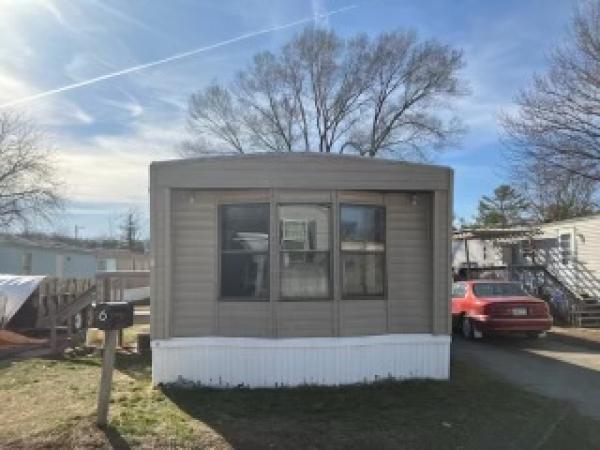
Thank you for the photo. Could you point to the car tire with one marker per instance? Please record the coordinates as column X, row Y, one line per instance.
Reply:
column 466, row 327
column 456, row 324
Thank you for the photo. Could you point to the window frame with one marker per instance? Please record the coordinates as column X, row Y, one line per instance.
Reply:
column 566, row 254
column 221, row 251
column 330, row 250
column 384, row 294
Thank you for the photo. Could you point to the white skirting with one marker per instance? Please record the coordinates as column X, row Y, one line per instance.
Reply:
column 262, row 362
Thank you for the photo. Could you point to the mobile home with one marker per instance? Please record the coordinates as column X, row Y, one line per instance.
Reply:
column 570, row 249
column 300, row 268
column 28, row 256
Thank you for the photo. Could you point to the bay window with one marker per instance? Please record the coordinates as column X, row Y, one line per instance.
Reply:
column 304, row 232
column 244, row 255
column 362, row 245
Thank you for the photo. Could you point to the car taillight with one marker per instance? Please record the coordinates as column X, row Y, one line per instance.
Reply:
column 496, row 309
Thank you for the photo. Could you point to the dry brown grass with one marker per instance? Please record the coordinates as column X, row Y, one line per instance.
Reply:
column 51, row 402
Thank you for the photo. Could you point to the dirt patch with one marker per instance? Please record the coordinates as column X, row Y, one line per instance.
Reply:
column 11, row 350
column 77, row 434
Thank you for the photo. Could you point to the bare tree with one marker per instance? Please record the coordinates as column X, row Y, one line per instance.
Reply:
column 131, row 228
column 553, row 194
column 213, row 113
column 409, row 84
column 28, row 177
column 335, row 75
column 557, row 123
column 324, row 93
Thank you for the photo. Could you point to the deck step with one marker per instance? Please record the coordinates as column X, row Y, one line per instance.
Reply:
column 586, row 321
column 586, row 314
column 586, row 308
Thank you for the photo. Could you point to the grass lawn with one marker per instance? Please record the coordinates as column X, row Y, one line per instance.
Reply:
column 50, row 403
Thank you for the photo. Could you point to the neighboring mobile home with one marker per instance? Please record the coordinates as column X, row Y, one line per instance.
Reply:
column 286, row 269
column 479, row 253
column 29, row 256
column 570, row 249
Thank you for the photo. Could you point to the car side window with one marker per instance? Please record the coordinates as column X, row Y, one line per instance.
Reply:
column 459, row 290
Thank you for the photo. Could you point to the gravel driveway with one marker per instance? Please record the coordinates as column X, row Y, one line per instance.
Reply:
column 546, row 366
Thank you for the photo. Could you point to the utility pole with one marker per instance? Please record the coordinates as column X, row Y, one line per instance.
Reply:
column 78, row 228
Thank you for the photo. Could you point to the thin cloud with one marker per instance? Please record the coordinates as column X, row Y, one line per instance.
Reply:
column 317, row 8
column 49, row 6
column 175, row 57
column 129, row 19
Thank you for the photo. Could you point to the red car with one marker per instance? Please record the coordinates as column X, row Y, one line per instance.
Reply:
column 484, row 306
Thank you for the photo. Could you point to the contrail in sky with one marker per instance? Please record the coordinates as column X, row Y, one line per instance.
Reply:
column 175, row 57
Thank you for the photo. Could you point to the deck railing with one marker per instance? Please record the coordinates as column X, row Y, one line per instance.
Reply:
column 67, row 302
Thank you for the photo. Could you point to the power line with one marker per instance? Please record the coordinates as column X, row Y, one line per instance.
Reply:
column 175, row 57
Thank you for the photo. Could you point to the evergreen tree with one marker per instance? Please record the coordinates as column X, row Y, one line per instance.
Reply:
column 504, row 209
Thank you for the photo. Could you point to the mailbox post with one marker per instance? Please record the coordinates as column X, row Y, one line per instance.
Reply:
column 111, row 317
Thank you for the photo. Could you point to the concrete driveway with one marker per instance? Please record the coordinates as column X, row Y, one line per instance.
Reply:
column 546, row 366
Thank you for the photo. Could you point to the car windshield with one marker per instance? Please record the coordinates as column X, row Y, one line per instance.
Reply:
column 497, row 289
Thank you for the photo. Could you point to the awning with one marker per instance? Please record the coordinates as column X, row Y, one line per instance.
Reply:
column 497, row 233
column 14, row 292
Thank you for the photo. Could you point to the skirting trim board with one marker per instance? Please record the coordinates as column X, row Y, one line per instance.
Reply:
column 262, row 362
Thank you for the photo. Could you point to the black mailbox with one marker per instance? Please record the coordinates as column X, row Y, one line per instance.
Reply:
column 113, row 315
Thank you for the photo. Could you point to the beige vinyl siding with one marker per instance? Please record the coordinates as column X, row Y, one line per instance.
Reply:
column 363, row 317
column 159, row 261
column 283, row 171
column 185, row 199
column 583, row 276
column 194, row 245
column 287, row 196
column 361, row 197
column 441, row 244
column 305, row 318
column 249, row 319
column 588, row 251
column 588, row 256
column 409, row 257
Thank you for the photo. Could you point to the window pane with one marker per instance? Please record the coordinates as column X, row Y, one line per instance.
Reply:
column 244, row 275
column 459, row 290
column 245, row 227
column 363, row 274
column 498, row 289
column 304, row 227
column 305, row 275
column 362, row 228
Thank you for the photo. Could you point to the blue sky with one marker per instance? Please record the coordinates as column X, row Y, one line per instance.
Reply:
column 105, row 134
